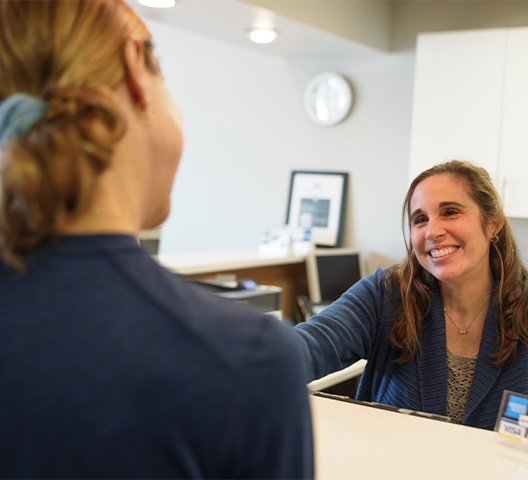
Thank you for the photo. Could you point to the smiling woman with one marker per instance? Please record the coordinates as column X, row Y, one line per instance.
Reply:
column 446, row 330
column 459, row 234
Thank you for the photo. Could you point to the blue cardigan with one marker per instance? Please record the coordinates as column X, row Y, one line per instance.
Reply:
column 357, row 326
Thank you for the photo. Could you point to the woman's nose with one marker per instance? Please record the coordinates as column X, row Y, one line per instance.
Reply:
column 434, row 230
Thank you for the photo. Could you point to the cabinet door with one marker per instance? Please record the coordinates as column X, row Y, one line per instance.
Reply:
column 513, row 160
column 457, row 98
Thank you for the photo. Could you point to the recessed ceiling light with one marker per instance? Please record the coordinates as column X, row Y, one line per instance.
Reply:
column 263, row 35
column 157, row 3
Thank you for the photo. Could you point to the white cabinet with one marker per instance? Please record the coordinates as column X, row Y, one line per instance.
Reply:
column 513, row 152
column 471, row 103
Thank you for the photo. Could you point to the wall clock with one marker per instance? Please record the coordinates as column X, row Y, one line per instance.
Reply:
column 328, row 98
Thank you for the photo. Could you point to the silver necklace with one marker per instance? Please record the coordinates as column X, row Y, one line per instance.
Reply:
column 465, row 331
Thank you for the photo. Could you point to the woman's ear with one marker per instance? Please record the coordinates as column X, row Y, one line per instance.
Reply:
column 494, row 227
column 136, row 73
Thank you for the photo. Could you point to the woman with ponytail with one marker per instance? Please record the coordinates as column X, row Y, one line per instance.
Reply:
column 110, row 366
column 446, row 330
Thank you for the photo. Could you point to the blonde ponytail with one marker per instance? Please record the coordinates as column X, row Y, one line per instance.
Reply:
column 69, row 62
column 50, row 173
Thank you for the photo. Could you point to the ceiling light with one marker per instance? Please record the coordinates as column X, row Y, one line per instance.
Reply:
column 157, row 3
column 263, row 35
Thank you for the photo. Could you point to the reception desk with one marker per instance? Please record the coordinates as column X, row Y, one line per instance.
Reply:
column 287, row 272
column 360, row 442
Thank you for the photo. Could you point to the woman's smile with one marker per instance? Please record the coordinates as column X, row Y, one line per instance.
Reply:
column 442, row 252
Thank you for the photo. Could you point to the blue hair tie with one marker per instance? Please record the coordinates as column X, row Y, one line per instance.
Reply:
column 18, row 113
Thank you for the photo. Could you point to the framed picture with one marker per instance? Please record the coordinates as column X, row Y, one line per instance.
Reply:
column 317, row 202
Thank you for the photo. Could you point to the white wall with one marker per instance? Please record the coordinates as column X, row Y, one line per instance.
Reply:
column 245, row 130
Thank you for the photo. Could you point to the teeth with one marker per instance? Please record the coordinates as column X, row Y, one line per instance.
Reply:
column 442, row 252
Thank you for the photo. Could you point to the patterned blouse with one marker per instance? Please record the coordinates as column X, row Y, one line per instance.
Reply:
column 459, row 378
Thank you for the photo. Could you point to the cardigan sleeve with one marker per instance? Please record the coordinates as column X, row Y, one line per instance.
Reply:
column 344, row 332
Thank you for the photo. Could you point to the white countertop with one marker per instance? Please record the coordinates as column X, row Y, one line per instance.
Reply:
column 360, row 442
column 204, row 262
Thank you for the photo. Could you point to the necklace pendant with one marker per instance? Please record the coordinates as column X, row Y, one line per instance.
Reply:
column 463, row 332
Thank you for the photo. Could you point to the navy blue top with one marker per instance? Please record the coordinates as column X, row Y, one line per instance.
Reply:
column 357, row 326
column 111, row 366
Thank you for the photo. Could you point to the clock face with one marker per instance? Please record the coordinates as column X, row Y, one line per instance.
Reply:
column 328, row 99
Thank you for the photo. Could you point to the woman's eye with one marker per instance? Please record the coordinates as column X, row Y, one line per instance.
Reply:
column 450, row 212
column 419, row 219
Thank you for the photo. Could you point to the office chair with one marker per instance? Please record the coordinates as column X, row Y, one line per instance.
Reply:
column 303, row 309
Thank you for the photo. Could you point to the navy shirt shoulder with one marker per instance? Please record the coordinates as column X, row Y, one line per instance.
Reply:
column 115, row 367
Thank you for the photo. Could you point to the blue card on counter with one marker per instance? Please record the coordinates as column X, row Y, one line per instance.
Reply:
column 512, row 421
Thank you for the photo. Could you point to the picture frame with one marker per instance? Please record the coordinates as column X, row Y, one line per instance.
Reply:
column 316, row 202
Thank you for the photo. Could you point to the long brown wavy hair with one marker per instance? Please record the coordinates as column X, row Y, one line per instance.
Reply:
column 68, row 53
column 414, row 283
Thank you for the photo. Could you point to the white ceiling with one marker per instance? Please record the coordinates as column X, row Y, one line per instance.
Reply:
column 229, row 21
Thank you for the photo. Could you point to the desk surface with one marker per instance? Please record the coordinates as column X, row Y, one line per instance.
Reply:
column 205, row 262
column 360, row 442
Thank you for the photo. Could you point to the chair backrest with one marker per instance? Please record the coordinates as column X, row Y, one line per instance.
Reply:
column 303, row 309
